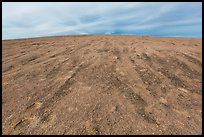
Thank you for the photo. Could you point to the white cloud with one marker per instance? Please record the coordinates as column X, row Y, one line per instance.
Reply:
column 32, row 19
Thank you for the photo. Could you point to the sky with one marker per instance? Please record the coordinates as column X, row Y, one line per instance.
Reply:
column 38, row 19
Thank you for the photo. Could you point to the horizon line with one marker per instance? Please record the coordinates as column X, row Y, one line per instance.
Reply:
column 96, row 34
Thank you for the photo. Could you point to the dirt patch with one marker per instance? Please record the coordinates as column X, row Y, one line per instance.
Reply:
column 102, row 84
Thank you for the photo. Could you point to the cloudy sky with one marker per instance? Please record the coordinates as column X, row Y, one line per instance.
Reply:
column 33, row 19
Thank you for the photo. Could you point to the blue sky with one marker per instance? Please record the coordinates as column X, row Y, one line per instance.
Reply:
column 33, row 19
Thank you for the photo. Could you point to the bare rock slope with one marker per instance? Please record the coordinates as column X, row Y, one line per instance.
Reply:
column 102, row 84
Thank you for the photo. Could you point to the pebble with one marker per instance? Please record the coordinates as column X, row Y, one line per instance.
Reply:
column 142, row 70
